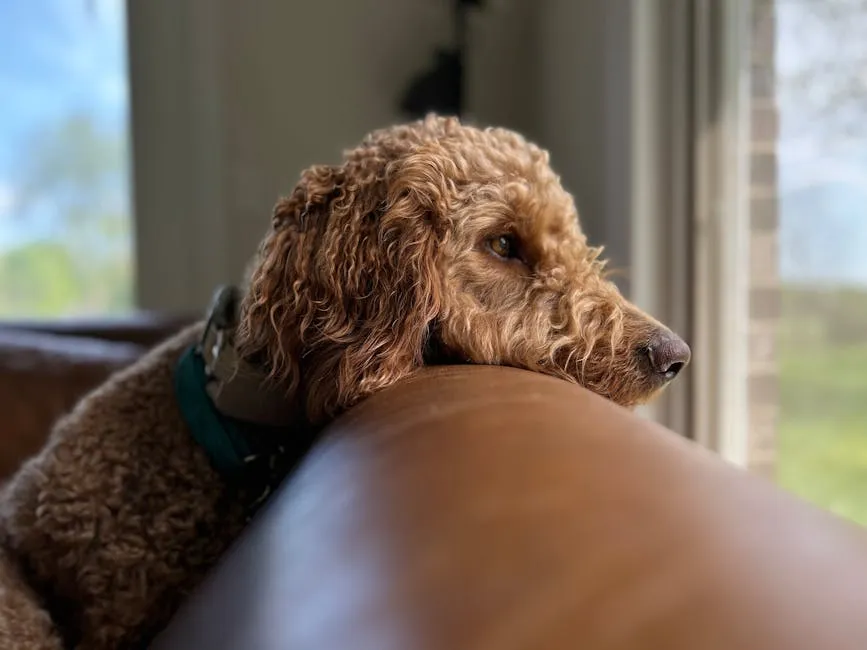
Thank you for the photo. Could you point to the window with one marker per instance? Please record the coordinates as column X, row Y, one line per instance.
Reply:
column 803, row 219
column 821, row 97
column 65, row 224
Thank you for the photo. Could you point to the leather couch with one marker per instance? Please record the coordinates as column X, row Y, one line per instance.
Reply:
column 494, row 509
column 46, row 366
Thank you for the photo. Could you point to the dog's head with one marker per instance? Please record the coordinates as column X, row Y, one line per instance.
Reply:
column 436, row 241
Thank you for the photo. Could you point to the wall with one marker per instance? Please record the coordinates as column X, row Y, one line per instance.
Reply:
column 558, row 71
column 232, row 100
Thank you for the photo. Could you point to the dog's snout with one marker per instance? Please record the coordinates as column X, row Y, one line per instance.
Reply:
column 668, row 354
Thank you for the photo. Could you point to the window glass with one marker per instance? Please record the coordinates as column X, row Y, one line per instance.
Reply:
column 65, row 216
column 809, row 249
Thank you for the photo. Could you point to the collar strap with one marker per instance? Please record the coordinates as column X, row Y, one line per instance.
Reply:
column 238, row 389
column 252, row 457
column 229, row 449
column 243, row 422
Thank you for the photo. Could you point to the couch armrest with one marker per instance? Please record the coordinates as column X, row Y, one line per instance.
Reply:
column 494, row 509
column 142, row 328
column 42, row 376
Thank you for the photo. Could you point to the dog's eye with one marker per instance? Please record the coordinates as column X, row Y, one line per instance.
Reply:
column 503, row 246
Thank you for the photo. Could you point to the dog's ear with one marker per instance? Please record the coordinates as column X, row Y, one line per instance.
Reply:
column 345, row 289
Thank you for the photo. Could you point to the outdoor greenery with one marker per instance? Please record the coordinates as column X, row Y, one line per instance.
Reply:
column 71, row 193
column 822, row 435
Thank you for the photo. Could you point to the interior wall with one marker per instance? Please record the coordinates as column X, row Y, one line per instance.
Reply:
column 559, row 71
column 304, row 80
column 232, row 100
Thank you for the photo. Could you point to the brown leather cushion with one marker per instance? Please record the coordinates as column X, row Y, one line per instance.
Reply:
column 41, row 377
column 143, row 328
column 494, row 509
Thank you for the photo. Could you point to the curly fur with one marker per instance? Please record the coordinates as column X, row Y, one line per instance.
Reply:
column 372, row 269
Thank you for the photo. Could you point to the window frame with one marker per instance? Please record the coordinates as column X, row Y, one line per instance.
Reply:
column 721, row 244
column 689, row 189
column 659, row 189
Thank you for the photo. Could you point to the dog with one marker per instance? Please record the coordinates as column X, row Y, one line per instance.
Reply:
column 431, row 242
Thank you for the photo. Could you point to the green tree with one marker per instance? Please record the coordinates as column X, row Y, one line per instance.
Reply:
column 72, row 189
column 44, row 280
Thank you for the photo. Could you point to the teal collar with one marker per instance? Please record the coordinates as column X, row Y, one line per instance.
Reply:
column 253, row 457
column 223, row 439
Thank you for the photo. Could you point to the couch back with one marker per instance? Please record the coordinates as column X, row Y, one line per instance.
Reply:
column 47, row 366
column 495, row 509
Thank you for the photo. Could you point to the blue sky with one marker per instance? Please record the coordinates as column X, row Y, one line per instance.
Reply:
column 823, row 180
column 60, row 57
column 57, row 58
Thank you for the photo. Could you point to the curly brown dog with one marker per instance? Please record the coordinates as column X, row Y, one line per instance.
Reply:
column 432, row 242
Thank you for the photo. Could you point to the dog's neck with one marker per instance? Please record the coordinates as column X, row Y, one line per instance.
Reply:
column 237, row 388
column 245, row 423
column 242, row 390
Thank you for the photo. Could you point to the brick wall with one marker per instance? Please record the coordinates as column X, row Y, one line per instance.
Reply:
column 764, row 225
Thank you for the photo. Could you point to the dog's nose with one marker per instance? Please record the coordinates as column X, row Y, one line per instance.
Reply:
column 668, row 354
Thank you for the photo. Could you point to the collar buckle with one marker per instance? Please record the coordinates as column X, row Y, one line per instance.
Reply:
column 236, row 388
column 222, row 317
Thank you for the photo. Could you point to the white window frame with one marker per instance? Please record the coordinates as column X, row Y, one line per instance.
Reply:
column 721, row 88
column 659, row 158
column 688, row 200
